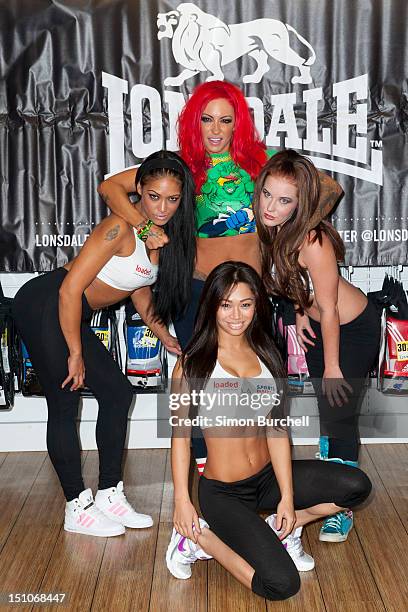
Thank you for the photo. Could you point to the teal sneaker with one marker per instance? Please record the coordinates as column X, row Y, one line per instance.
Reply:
column 337, row 527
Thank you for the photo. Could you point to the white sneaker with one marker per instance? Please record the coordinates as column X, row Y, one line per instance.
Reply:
column 182, row 553
column 113, row 503
column 82, row 516
column 293, row 545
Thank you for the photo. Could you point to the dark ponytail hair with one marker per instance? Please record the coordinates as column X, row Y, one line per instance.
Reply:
column 176, row 258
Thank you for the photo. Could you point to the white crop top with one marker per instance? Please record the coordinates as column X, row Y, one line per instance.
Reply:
column 129, row 273
column 234, row 397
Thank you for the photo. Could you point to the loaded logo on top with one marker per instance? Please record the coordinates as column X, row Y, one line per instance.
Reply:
column 143, row 271
column 202, row 43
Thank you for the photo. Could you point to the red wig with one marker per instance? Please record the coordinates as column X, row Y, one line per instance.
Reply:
column 247, row 150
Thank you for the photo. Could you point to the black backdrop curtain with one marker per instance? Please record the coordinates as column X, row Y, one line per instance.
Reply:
column 90, row 87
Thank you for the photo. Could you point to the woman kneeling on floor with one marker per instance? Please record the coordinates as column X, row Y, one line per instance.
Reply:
column 249, row 467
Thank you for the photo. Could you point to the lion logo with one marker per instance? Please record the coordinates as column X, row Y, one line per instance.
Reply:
column 202, row 42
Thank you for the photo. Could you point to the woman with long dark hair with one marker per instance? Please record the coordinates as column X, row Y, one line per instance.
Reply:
column 337, row 326
column 53, row 313
column 249, row 466
column 219, row 142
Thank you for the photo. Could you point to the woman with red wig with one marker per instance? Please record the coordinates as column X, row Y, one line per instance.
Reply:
column 219, row 142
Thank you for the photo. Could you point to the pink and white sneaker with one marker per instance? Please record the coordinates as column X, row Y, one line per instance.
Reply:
column 113, row 503
column 293, row 545
column 82, row 516
column 182, row 553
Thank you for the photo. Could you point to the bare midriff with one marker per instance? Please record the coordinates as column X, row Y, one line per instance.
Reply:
column 351, row 302
column 213, row 251
column 98, row 294
column 235, row 458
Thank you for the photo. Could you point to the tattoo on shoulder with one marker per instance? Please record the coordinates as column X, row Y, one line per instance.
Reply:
column 112, row 233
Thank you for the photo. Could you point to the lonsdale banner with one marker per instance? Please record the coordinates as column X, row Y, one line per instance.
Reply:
column 89, row 87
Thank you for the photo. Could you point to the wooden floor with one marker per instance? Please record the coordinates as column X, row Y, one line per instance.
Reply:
column 368, row 572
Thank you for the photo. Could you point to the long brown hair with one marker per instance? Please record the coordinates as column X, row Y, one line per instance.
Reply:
column 280, row 246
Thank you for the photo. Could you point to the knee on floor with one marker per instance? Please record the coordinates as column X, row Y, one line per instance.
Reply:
column 277, row 587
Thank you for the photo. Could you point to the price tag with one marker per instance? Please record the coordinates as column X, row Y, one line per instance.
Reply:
column 103, row 335
column 149, row 340
column 4, row 352
column 402, row 350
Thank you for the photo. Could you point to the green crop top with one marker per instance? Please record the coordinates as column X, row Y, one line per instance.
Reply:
column 224, row 206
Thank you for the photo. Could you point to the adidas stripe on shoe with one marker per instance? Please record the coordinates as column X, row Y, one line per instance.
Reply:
column 83, row 516
column 113, row 503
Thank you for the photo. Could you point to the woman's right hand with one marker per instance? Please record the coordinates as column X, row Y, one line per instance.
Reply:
column 302, row 326
column 184, row 517
column 156, row 238
column 76, row 372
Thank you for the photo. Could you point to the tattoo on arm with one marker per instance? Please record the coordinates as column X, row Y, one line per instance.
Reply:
column 154, row 234
column 112, row 233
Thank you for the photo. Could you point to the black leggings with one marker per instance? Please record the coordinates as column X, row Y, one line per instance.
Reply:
column 35, row 309
column 359, row 343
column 231, row 510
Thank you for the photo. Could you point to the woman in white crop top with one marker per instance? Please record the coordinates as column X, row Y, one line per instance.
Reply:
column 53, row 313
column 249, row 465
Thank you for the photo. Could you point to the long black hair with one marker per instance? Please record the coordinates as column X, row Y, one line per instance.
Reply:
column 176, row 259
column 200, row 357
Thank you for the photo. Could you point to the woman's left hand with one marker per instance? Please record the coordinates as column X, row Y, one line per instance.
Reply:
column 285, row 517
column 334, row 387
column 171, row 344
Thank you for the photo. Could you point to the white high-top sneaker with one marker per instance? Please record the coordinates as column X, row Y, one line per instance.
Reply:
column 113, row 503
column 82, row 516
column 183, row 552
column 293, row 545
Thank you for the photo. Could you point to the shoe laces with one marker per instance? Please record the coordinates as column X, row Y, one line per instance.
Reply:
column 293, row 545
column 333, row 521
column 336, row 520
column 120, row 496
